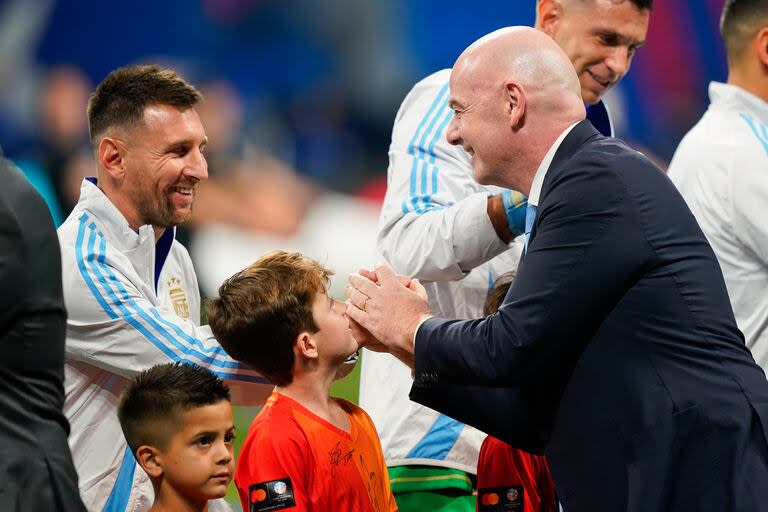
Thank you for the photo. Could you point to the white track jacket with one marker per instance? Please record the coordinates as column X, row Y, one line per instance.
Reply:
column 122, row 320
column 433, row 226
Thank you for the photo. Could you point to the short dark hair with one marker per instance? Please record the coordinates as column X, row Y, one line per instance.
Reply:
column 151, row 406
column 740, row 21
column 498, row 292
column 262, row 309
column 643, row 4
column 120, row 99
column 640, row 4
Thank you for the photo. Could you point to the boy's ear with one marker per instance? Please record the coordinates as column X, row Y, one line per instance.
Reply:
column 150, row 460
column 306, row 346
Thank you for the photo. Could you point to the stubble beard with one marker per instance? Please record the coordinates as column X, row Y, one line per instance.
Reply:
column 160, row 211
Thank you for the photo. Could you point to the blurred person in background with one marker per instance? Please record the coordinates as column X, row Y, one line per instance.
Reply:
column 721, row 168
column 62, row 157
column 129, row 286
column 35, row 462
column 247, row 188
column 65, row 150
column 325, row 144
column 270, row 187
column 442, row 227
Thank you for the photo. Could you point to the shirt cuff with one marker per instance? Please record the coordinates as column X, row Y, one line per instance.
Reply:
column 417, row 331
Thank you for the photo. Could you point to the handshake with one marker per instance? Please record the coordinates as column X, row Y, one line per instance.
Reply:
column 384, row 311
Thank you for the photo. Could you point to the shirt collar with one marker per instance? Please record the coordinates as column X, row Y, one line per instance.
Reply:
column 541, row 172
column 93, row 199
column 735, row 98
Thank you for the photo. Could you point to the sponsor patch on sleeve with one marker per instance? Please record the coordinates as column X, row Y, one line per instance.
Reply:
column 273, row 495
column 500, row 499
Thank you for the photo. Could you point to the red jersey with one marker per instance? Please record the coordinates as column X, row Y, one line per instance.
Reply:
column 509, row 479
column 294, row 460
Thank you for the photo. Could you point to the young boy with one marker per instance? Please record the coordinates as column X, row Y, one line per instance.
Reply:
column 509, row 478
column 177, row 420
column 305, row 450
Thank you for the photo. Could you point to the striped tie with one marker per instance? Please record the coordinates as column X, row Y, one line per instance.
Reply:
column 530, row 218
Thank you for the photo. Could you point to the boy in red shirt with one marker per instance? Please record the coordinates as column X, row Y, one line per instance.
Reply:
column 305, row 450
column 509, row 479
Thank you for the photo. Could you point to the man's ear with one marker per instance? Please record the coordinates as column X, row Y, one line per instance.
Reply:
column 111, row 157
column 306, row 346
column 761, row 46
column 548, row 16
column 150, row 460
column 514, row 96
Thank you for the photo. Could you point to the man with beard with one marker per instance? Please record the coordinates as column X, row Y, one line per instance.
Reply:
column 129, row 286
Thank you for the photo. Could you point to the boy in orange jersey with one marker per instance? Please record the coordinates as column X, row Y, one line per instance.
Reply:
column 305, row 450
column 177, row 420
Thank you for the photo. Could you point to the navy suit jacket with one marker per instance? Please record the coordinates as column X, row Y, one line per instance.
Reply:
column 617, row 345
column 36, row 469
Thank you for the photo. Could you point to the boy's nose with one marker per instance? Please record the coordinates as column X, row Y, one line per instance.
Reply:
column 224, row 454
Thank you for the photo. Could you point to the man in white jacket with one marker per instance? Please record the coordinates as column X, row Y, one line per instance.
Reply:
column 721, row 168
column 440, row 226
column 129, row 286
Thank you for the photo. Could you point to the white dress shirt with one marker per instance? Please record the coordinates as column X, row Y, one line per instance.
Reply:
column 546, row 162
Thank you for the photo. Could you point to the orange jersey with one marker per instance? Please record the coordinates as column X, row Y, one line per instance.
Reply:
column 294, row 460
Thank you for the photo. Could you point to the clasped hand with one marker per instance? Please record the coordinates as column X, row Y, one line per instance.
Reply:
column 385, row 309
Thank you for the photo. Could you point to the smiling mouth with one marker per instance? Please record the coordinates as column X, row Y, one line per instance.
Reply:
column 604, row 83
column 185, row 191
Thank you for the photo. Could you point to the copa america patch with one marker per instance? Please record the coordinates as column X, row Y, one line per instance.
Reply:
column 500, row 499
column 272, row 495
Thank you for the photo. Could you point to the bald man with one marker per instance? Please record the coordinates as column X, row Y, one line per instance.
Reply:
column 721, row 168
column 617, row 328
column 439, row 225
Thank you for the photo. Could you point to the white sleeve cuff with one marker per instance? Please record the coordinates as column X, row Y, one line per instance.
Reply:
column 417, row 331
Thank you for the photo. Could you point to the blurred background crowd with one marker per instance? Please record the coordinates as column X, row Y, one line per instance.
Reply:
column 301, row 96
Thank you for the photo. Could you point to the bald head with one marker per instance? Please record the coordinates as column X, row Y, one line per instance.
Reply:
column 513, row 92
column 524, row 55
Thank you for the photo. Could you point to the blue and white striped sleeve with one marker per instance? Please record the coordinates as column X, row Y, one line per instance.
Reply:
column 113, row 325
column 434, row 223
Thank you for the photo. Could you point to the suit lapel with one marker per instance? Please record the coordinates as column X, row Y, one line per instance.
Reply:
column 579, row 135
